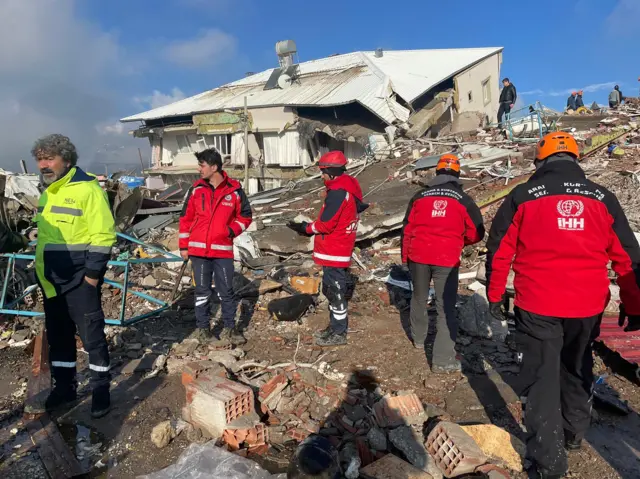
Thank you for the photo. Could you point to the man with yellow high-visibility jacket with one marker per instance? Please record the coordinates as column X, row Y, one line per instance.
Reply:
column 75, row 234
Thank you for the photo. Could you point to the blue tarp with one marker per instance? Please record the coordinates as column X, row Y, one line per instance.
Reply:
column 132, row 181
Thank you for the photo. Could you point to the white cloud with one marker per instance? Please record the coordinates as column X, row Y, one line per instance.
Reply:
column 532, row 92
column 112, row 128
column 58, row 72
column 208, row 49
column 623, row 20
column 158, row 99
column 588, row 89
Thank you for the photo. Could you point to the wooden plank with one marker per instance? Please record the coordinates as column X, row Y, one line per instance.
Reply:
column 54, row 453
column 39, row 383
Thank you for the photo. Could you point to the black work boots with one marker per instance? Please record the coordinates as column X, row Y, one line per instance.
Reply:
column 60, row 396
column 332, row 339
column 100, row 402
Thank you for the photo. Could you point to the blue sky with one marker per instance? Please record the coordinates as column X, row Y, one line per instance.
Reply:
column 77, row 66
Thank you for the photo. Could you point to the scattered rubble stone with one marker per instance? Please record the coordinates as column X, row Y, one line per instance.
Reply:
column 410, row 444
column 150, row 281
column 377, row 439
column 162, row 434
column 186, row 347
column 392, row 467
column 399, row 410
column 498, row 444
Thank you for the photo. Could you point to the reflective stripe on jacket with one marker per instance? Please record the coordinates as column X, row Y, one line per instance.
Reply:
column 75, row 232
column 336, row 227
column 212, row 217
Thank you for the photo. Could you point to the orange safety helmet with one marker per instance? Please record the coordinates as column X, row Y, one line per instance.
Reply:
column 448, row 162
column 557, row 142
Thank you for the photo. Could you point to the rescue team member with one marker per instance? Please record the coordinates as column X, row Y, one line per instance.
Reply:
column 563, row 230
column 579, row 101
column 440, row 221
column 572, row 101
column 335, row 237
column 75, row 235
column 216, row 210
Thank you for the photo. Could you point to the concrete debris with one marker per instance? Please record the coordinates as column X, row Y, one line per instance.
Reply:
column 474, row 318
column 410, row 444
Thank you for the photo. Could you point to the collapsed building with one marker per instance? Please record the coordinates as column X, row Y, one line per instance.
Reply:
column 356, row 103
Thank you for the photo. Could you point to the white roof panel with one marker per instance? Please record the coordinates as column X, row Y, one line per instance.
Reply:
column 338, row 80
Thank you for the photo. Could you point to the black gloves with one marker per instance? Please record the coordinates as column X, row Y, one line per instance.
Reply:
column 495, row 309
column 300, row 228
column 633, row 323
column 231, row 233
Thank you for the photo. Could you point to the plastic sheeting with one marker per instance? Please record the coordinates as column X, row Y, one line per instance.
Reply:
column 25, row 184
column 206, row 461
column 285, row 149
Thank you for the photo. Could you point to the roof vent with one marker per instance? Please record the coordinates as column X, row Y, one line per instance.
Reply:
column 379, row 53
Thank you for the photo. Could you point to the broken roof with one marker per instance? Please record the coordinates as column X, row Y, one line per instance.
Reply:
column 338, row 80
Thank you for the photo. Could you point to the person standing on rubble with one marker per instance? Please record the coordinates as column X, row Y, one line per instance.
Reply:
column 579, row 101
column 560, row 230
column 508, row 97
column 440, row 221
column 571, row 101
column 215, row 211
column 615, row 97
column 76, row 232
column 335, row 237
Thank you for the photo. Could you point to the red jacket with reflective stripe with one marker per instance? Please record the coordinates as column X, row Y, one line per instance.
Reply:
column 336, row 227
column 212, row 217
column 560, row 230
column 439, row 222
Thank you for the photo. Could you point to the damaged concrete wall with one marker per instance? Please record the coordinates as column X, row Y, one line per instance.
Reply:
column 469, row 87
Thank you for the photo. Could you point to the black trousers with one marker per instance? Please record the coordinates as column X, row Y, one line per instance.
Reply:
column 555, row 383
column 79, row 309
column 504, row 108
column 220, row 270
column 445, row 284
column 334, row 287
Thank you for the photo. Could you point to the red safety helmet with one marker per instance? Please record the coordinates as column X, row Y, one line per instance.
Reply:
column 448, row 162
column 333, row 159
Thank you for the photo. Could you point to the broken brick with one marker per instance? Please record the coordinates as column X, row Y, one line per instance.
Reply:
column 454, row 451
column 270, row 392
column 366, row 454
column 213, row 402
column 298, row 434
column 258, row 450
column 398, row 411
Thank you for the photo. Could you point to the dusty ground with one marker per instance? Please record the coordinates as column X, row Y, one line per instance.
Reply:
column 118, row 445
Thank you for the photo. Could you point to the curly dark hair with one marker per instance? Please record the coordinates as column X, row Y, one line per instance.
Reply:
column 56, row 145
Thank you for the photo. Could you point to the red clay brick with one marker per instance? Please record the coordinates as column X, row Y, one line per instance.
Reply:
column 453, row 450
column 298, row 434
column 393, row 411
column 366, row 455
column 213, row 402
column 258, row 450
column 272, row 385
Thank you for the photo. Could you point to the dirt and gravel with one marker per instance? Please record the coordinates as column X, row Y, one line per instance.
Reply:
column 379, row 351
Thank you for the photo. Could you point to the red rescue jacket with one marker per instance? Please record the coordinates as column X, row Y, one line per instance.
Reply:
column 440, row 221
column 212, row 217
column 560, row 230
column 336, row 227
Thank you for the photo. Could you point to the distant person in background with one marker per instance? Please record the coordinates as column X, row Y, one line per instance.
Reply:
column 579, row 101
column 508, row 97
column 615, row 97
column 571, row 101
column 11, row 242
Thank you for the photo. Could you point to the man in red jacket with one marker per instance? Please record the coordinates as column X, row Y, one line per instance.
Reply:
column 559, row 231
column 216, row 210
column 440, row 221
column 335, row 237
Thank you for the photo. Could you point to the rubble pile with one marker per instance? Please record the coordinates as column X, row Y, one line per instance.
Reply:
column 361, row 421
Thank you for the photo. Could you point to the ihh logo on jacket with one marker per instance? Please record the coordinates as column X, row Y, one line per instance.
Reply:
column 570, row 211
column 352, row 228
column 439, row 209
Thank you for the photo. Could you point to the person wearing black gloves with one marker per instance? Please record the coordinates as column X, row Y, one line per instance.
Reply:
column 11, row 242
column 335, row 237
column 560, row 231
